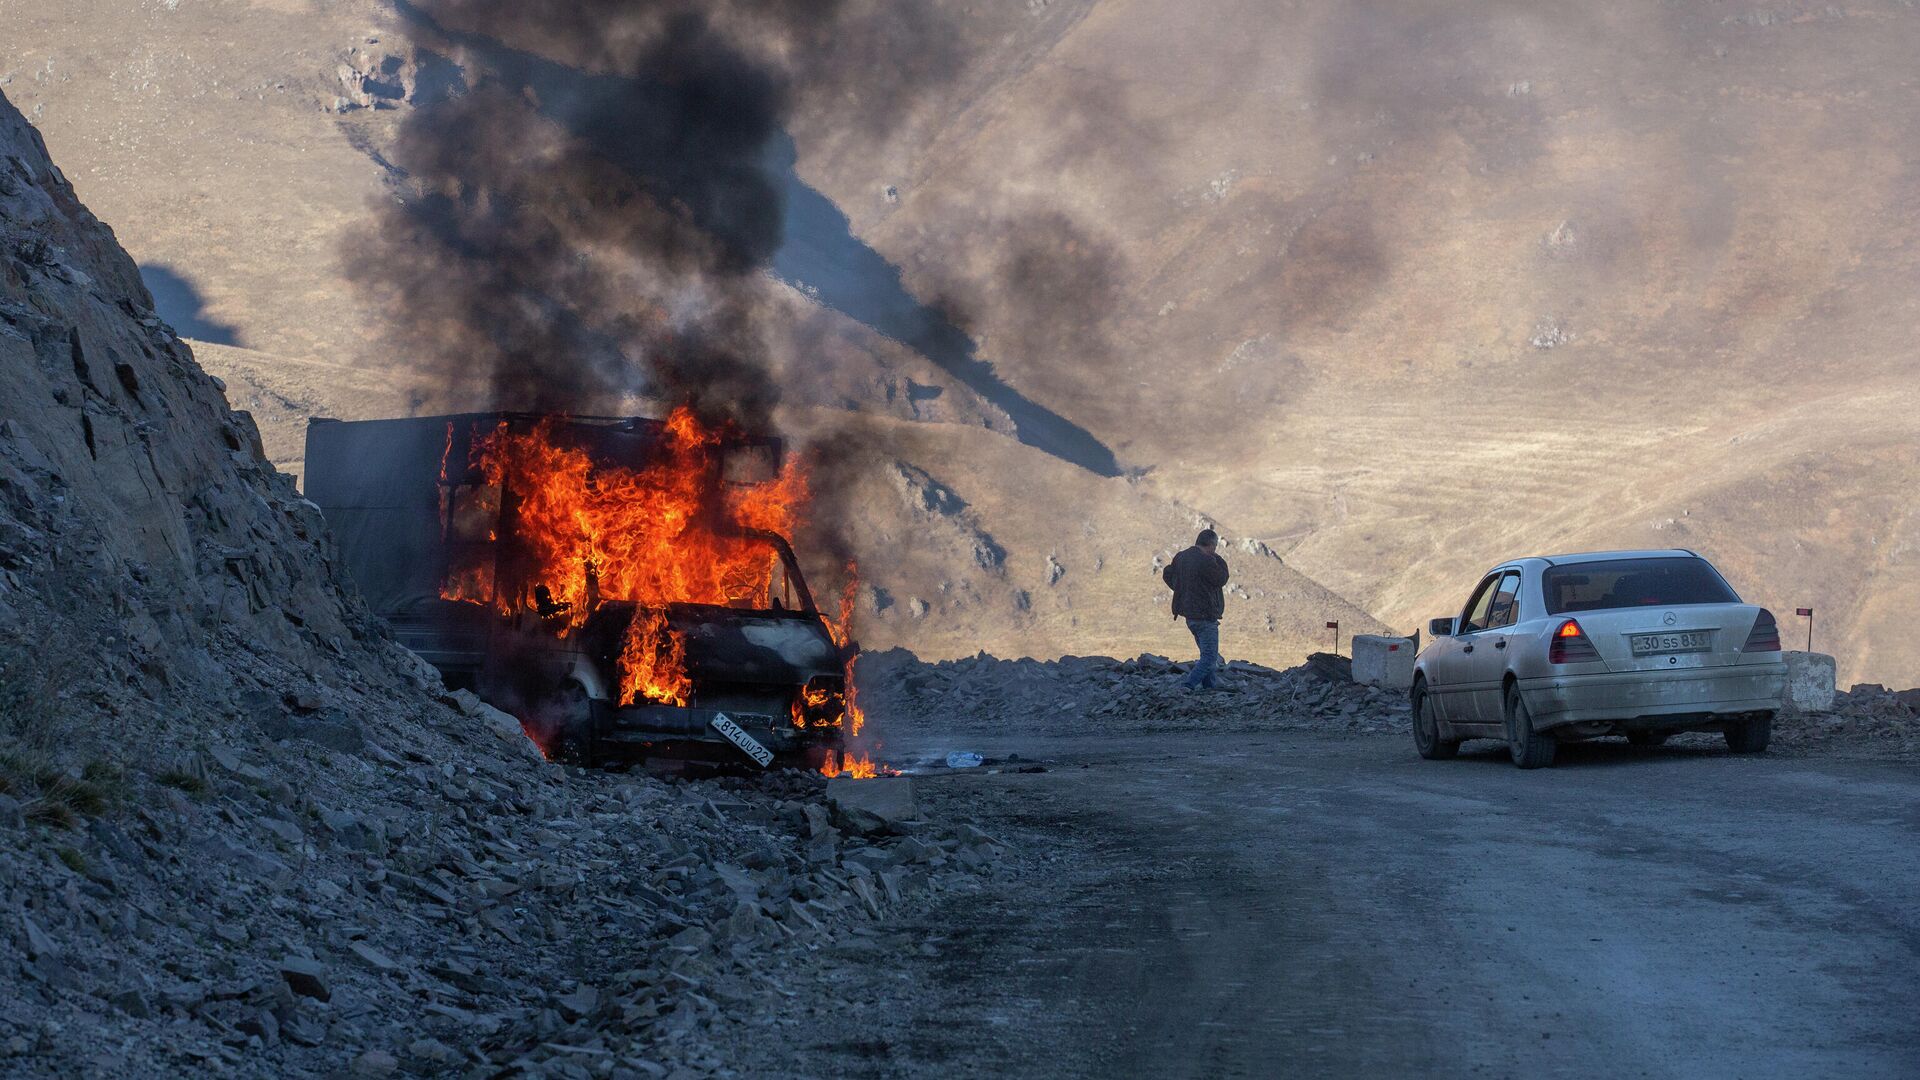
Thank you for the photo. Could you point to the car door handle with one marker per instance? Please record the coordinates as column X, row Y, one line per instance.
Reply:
column 1467, row 649
column 1501, row 644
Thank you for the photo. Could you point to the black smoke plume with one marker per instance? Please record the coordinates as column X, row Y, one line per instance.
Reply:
column 590, row 221
column 594, row 219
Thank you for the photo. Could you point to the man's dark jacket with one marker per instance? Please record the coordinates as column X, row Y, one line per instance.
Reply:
column 1198, row 579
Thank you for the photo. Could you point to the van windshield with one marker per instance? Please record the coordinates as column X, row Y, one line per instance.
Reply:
column 1627, row 583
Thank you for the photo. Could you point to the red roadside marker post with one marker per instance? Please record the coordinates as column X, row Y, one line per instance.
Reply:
column 1335, row 627
column 1807, row 614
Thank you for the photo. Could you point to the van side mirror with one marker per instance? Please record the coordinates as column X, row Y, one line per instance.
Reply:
column 1440, row 627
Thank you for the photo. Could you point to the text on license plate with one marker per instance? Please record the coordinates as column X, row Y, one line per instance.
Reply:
column 738, row 736
column 1673, row 642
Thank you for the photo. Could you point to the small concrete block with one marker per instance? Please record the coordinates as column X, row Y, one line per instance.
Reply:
column 870, row 806
column 1383, row 661
column 1809, row 681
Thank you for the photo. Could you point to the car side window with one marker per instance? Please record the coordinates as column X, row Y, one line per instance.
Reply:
column 1506, row 602
column 1475, row 617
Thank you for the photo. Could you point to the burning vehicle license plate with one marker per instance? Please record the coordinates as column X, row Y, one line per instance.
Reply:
column 737, row 735
column 1676, row 642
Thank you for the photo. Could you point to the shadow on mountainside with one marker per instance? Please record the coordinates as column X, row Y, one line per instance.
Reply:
column 179, row 303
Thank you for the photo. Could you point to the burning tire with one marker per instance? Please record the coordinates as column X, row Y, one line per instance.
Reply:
column 808, row 758
column 563, row 724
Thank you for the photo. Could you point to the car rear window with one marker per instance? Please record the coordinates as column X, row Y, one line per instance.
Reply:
column 1625, row 583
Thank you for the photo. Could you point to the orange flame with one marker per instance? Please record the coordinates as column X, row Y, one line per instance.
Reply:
column 852, row 766
column 856, row 717
column 842, row 630
column 642, row 535
column 473, row 584
column 588, row 532
column 653, row 662
column 814, row 700
column 653, row 536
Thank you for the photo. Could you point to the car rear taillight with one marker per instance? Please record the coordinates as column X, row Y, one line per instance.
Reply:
column 1765, row 636
column 1570, row 645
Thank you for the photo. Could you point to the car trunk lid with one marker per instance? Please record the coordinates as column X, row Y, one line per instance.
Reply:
column 1659, row 638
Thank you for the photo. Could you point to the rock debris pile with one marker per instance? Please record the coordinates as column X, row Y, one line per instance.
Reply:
column 1868, row 717
column 1076, row 694
column 287, row 908
column 1095, row 694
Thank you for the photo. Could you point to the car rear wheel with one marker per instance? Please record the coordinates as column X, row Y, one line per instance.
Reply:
column 1647, row 738
column 1426, row 728
column 1531, row 750
column 1750, row 736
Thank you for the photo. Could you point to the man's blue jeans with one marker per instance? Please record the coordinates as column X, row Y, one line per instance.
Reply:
column 1206, row 634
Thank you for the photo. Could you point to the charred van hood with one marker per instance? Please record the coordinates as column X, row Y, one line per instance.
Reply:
column 730, row 645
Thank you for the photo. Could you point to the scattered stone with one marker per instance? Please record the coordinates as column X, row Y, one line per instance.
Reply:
column 303, row 1030
column 819, row 820
column 287, row 831
column 375, row 1063
column 306, row 977
column 581, row 1003
column 433, row 1050
column 261, row 1023
column 971, row 836
column 871, row 806
column 371, row 957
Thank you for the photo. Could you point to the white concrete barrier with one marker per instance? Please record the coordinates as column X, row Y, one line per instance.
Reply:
column 1383, row 661
column 1809, row 681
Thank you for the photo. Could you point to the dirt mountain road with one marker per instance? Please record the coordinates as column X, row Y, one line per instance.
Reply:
column 1310, row 905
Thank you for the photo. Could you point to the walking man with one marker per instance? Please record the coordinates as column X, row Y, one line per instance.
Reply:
column 1198, row 578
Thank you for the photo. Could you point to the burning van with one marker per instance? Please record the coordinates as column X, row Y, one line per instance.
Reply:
column 624, row 586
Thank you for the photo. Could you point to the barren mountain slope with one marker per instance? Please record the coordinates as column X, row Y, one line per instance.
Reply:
column 1416, row 288
column 972, row 541
column 197, row 127
column 1399, row 291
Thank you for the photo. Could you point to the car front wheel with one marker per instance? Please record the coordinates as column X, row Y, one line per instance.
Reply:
column 1750, row 736
column 1531, row 750
column 1426, row 728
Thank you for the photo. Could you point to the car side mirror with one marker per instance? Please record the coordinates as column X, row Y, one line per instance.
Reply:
column 1440, row 627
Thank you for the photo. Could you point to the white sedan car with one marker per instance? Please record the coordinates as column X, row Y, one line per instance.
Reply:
column 1634, row 643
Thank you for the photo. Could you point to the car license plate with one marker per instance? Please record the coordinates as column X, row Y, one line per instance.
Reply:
column 738, row 736
column 1677, row 641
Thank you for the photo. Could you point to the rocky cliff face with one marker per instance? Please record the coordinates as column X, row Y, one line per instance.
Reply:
column 243, row 834
column 145, row 542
